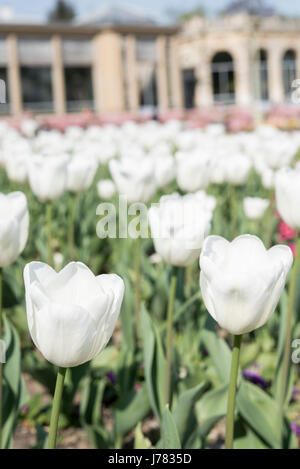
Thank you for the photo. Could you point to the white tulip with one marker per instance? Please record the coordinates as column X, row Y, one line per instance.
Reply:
column 71, row 314
column 241, row 282
column 134, row 178
column 255, row 207
column 17, row 167
column 237, row 169
column 287, row 190
column 29, row 127
column 164, row 170
column 206, row 202
column 81, row 171
column 106, row 189
column 48, row 176
column 193, row 171
column 268, row 178
column 14, row 226
column 179, row 226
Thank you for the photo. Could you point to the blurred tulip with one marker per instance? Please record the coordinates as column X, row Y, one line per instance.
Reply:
column 81, row 171
column 106, row 189
column 255, row 207
column 193, row 171
column 287, row 190
column 179, row 226
column 48, row 176
column 14, row 226
column 286, row 232
column 164, row 170
column 17, row 167
column 29, row 127
column 134, row 178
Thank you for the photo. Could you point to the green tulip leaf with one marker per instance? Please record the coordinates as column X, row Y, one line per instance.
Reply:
column 170, row 436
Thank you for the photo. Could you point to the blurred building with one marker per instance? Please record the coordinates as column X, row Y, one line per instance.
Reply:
column 122, row 60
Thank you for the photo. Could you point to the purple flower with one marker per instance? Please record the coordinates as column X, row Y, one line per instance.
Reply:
column 24, row 409
column 111, row 377
column 295, row 428
column 294, row 394
column 255, row 378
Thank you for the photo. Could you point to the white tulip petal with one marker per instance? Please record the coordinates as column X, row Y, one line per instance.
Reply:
column 64, row 333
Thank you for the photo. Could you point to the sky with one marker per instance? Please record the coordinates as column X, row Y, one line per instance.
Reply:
column 37, row 9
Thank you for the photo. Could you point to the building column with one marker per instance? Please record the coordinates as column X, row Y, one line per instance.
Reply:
column 58, row 79
column 14, row 78
column 96, row 74
column 204, row 90
column 108, row 77
column 161, row 73
column 175, row 78
column 242, row 77
column 275, row 79
column 131, row 73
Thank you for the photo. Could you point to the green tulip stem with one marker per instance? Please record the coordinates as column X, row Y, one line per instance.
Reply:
column 1, row 352
column 288, row 332
column 232, row 391
column 137, row 269
column 56, row 407
column 71, row 227
column 170, row 318
column 49, row 232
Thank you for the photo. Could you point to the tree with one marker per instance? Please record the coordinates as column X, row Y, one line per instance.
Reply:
column 252, row 7
column 62, row 12
column 183, row 15
column 198, row 11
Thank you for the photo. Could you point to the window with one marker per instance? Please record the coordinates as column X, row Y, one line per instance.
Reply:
column 35, row 51
column 146, row 49
column 146, row 65
column 77, row 58
column 37, row 89
column 79, row 88
column 77, row 52
column 4, row 107
column 35, row 55
column 222, row 68
column 189, row 85
column 263, row 75
column 289, row 72
column 147, row 86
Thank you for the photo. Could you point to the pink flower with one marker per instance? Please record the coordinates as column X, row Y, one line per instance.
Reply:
column 293, row 248
column 286, row 232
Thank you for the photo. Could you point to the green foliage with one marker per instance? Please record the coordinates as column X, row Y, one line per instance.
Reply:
column 119, row 397
column 14, row 393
